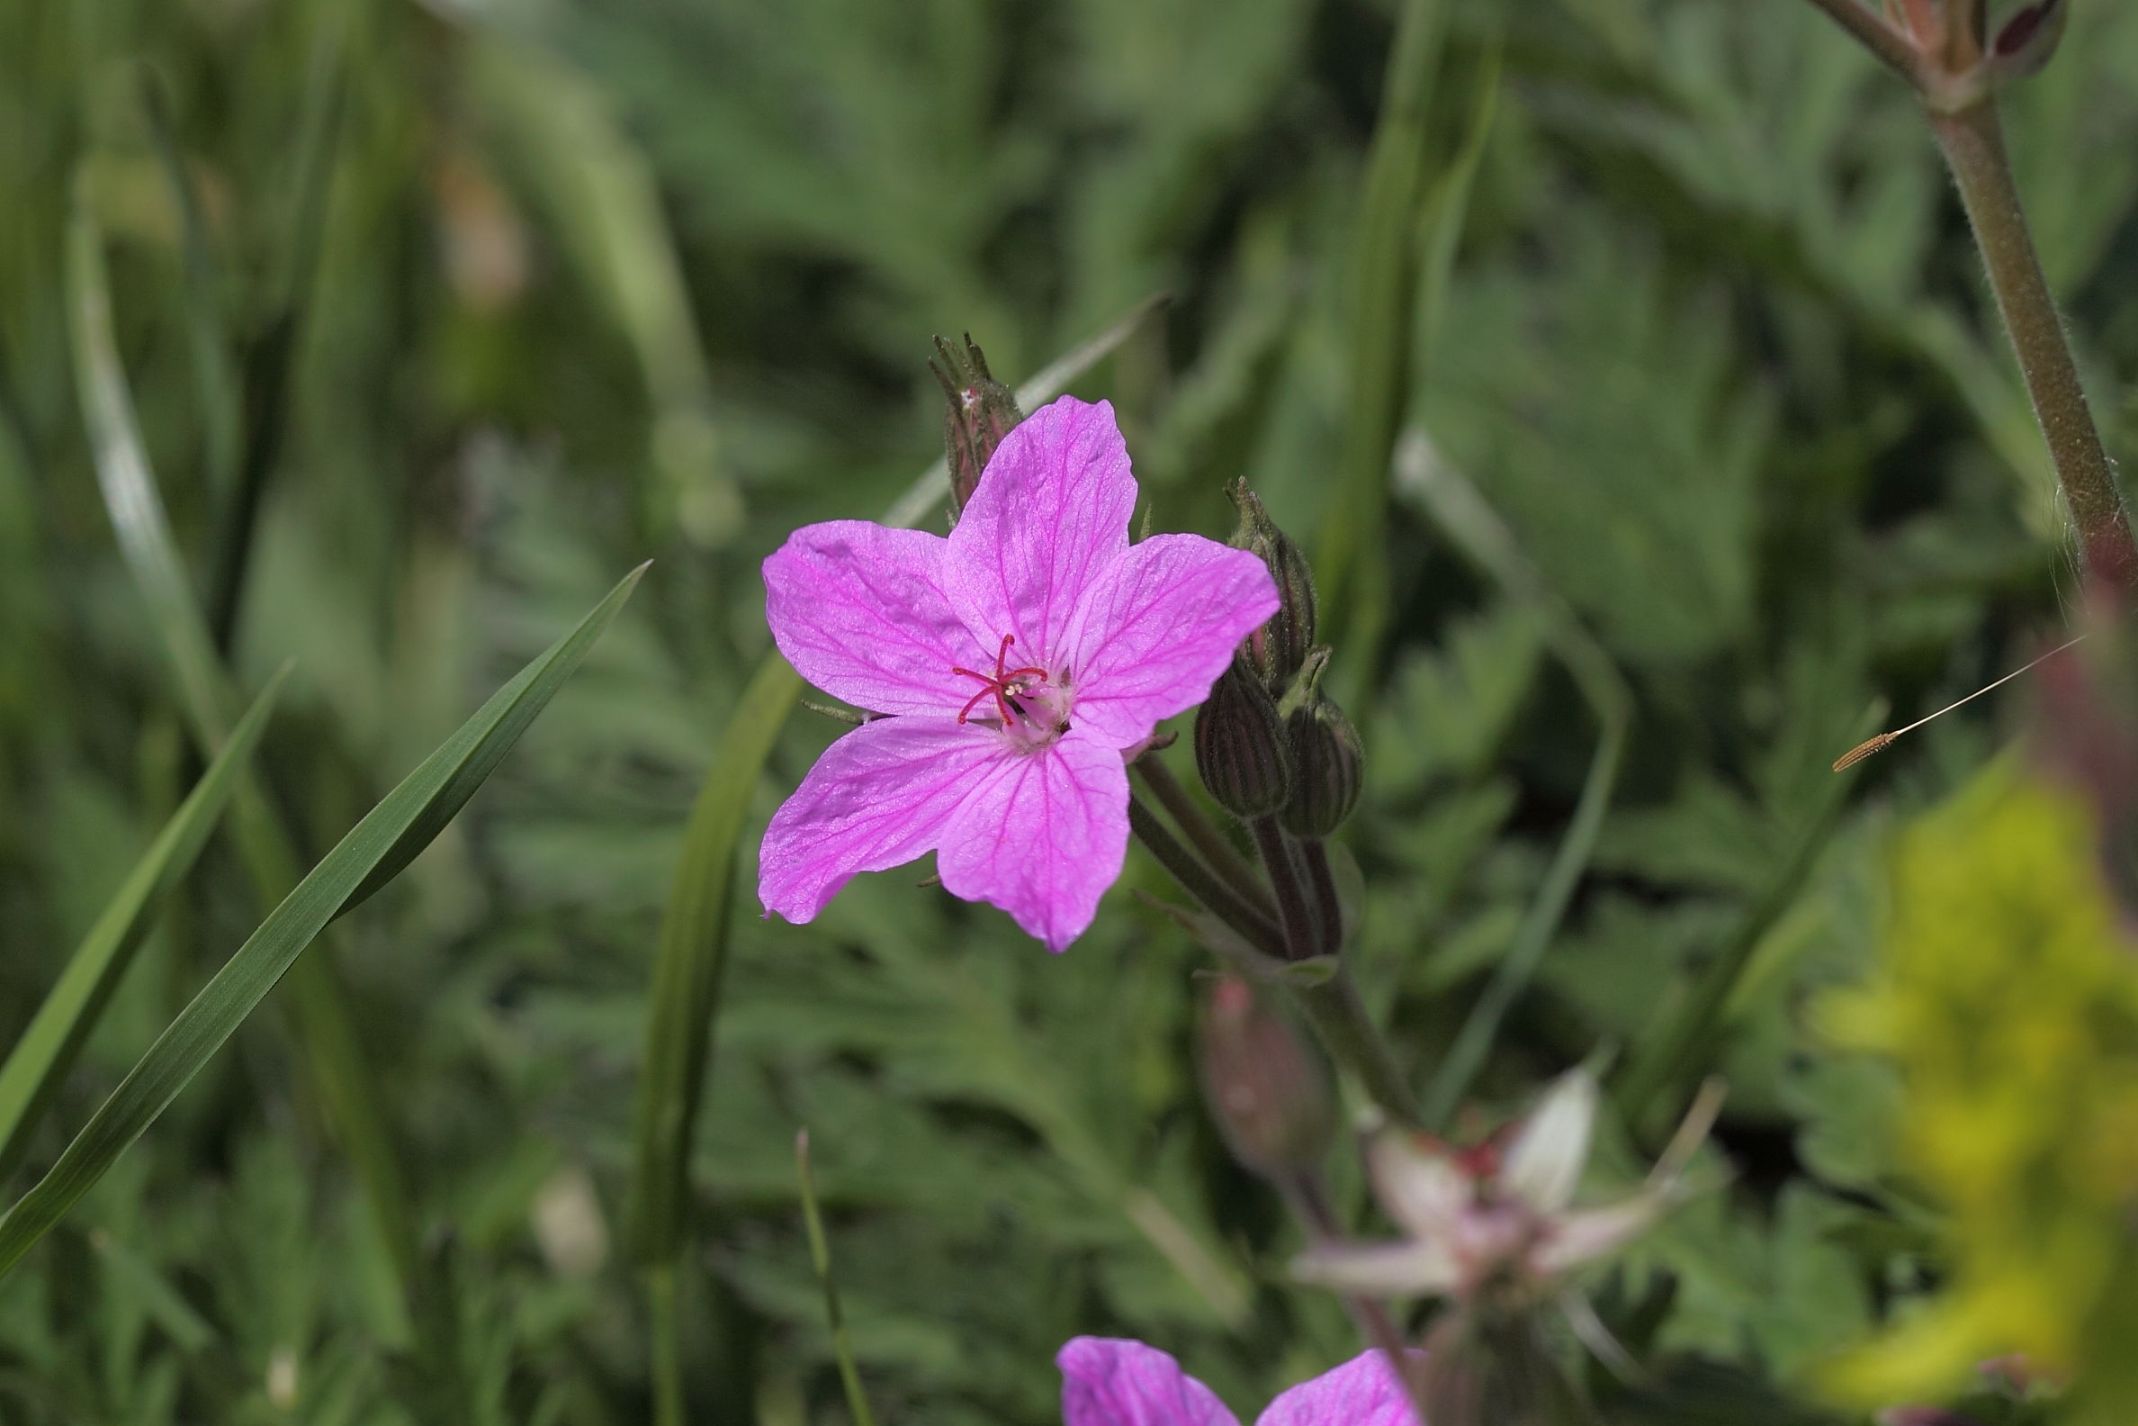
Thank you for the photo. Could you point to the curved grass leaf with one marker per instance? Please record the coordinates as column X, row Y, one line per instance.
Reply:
column 333, row 1051
column 427, row 797
column 1385, row 274
column 46, row 1051
column 694, row 928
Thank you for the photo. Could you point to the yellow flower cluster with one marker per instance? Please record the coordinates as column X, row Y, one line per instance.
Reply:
column 2008, row 997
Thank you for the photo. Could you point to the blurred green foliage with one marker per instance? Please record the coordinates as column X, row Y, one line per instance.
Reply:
column 595, row 282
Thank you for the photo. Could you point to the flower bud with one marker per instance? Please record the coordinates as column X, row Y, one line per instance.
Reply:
column 1327, row 764
column 2028, row 39
column 980, row 413
column 1266, row 1089
column 1279, row 648
column 1240, row 745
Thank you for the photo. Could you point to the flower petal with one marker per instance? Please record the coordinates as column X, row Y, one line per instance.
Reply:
column 879, row 796
column 1050, row 516
column 1156, row 630
column 1544, row 1162
column 860, row 612
column 1407, row 1268
column 1042, row 835
column 1578, row 1238
column 1418, row 1183
column 1108, row 1381
column 1362, row 1392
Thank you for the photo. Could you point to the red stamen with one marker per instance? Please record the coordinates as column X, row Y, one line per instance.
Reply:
column 1002, row 683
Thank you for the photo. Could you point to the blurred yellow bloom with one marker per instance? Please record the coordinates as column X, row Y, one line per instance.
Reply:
column 2008, row 995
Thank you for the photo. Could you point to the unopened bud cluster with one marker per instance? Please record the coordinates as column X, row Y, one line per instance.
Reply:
column 1269, row 742
column 979, row 413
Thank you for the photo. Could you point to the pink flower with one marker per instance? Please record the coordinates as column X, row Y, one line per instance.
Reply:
column 1016, row 661
column 1110, row 1382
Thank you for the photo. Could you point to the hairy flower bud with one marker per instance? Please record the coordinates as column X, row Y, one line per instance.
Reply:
column 1327, row 765
column 980, row 412
column 1279, row 648
column 1267, row 1090
column 1240, row 745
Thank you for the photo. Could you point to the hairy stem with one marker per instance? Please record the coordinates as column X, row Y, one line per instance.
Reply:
column 1339, row 1017
column 1973, row 144
column 1202, row 883
column 1215, row 847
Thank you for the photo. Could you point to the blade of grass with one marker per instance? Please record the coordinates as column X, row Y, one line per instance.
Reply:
column 338, row 1068
column 1352, row 558
column 232, row 994
column 857, row 1400
column 46, row 1051
column 271, row 358
column 203, row 294
column 1457, row 507
column 692, row 957
column 333, row 1051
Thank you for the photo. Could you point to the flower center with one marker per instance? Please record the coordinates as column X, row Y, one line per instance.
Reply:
column 1024, row 697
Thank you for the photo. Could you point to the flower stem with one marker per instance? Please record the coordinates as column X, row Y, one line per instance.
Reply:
column 1339, row 1017
column 1300, row 941
column 1973, row 144
column 1202, row 883
column 667, row 1346
column 1330, row 907
column 1215, row 847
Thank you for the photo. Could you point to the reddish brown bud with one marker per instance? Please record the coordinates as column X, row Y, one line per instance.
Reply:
column 1278, row 649
column 1268, row 1092
column 979, row 413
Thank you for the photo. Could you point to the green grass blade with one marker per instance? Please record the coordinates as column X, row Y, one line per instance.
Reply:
column 214, row 374
column 1477, row 529
column 334, row 1054
column 692, row 957
column 441, row 781
column 129, row 490
column 857, row 1399
column 1352, row 558
column 46, row 1051
column 271, row 359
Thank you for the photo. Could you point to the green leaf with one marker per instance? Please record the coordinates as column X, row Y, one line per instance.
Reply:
column 694, row 929
column 334, row 1051
column 427, row 797
column 42, row 1057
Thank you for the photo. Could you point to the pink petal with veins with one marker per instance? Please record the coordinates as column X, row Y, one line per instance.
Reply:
column 1361, row 1392
column 1042, row 835
column 860, row 611
column 1157, row 628
column 879, row 797
column 1111, row 1382
column 1049, row 518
